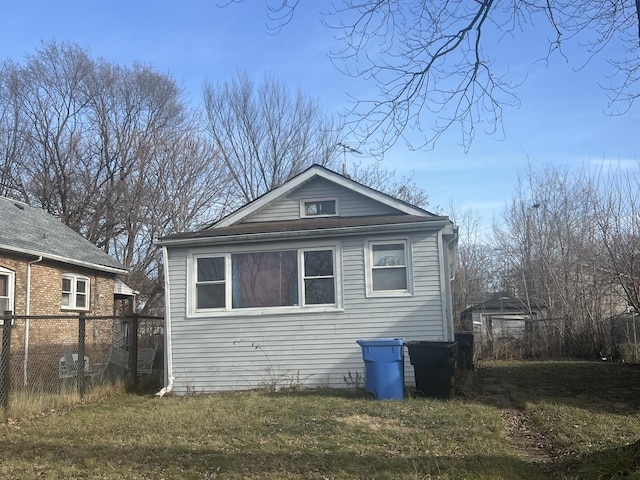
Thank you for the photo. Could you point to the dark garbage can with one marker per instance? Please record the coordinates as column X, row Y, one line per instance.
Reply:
column 433, row 364
column 465, row 350
column 384, row 367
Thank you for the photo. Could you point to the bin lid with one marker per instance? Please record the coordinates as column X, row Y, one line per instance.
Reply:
column 381, row 342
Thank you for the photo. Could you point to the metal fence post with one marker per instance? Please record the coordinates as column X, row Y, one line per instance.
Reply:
column 5, row 372
column 133, row 346
column 81, row 349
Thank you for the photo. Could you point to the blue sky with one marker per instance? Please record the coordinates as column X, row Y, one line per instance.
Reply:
column 561, row 119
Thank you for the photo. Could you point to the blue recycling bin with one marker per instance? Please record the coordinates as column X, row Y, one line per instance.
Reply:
column 384, row 367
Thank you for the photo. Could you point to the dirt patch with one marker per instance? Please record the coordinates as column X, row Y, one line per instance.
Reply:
column 375, row 423
column 529, row 443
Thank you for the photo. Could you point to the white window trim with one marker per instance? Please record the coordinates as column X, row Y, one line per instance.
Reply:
column 368, row 255
column 304, row 201
column 193, row 282
column 192, row 311
column 74, row 277
column 302, row 277
column 10, row 286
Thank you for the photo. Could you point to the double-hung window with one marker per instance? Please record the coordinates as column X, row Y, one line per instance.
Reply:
column 7, row 278
column 388, row 268
column 319, row 277
column 75, row 292
column 278, row 278
column 210, row 282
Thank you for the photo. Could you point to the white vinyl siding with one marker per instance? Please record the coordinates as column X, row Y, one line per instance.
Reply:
column 349, row 203
column 245, row 350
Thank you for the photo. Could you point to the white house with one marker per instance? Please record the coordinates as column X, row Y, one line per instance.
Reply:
column 277, row 293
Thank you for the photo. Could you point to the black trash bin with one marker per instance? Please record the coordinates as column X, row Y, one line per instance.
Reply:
column 465, row 350
column 433, row 364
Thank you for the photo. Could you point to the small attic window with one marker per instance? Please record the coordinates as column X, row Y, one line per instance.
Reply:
column 326, row 207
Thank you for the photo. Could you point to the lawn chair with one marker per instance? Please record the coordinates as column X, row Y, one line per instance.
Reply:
column 146, row 356
column 68, row 365
column 117, row 364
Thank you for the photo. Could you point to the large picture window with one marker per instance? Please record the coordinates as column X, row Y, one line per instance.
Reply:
column 283, row 278
column 265, row 279
column 75, row 292
column 388, row 267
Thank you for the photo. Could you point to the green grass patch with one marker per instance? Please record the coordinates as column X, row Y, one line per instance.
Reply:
column 588, row 410
column 260, row 435
column 27, row 402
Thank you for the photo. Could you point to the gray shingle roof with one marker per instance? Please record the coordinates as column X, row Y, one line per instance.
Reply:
column 318, row 224
column 33, row 231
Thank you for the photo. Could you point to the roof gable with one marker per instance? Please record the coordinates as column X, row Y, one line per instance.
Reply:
column 32, row 231
column 314, row 172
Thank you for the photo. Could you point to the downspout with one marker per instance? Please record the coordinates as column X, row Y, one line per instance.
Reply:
column 446, row 277
column 451, row 267
column 168, row 357
column 27, row 312
column 445, row 288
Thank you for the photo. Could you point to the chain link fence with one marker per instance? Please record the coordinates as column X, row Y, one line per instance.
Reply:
column 47, row 362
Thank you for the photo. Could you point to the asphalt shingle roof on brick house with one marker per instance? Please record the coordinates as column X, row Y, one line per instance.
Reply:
column 32, row 231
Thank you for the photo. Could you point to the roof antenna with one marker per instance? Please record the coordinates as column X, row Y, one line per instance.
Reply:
column 345, row 147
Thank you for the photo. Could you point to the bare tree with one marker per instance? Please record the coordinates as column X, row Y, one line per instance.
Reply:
column 378, row 177
column 549, row 240
column 266, row 134
column 12, row 142
column 53, row 100
column 434, row 59
column 112, row 150
column 477, row 266
column 617, row 222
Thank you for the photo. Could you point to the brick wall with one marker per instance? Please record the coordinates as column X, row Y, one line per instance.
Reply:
column 46, row 287
column 46, row 296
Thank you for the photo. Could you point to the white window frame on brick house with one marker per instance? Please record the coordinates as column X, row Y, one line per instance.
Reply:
column 6, row 290
column 72, row 292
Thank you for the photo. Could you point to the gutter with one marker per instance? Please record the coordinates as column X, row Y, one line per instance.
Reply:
column 59, row 258
column 168, row 356
column 296, row 234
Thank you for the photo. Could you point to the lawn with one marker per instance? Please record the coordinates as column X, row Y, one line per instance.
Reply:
column 587, row 411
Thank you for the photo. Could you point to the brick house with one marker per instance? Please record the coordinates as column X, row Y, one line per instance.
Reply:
column 47, row 269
